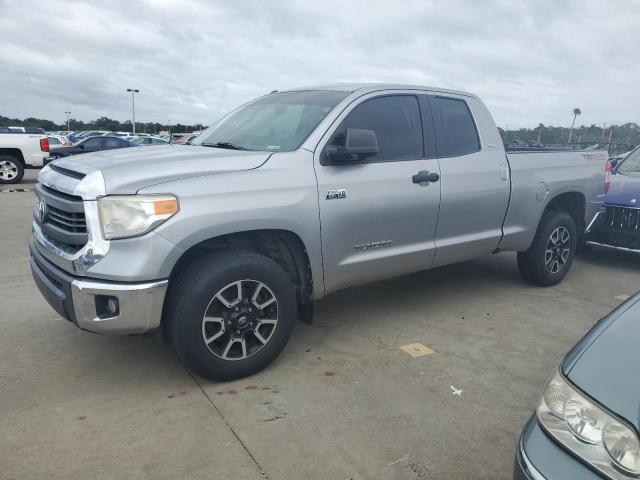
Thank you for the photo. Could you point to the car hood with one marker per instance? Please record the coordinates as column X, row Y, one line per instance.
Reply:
column 604, row 364
column 127, row 170
column 624, row 190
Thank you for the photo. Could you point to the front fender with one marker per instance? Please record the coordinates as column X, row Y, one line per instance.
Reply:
column 280, row 195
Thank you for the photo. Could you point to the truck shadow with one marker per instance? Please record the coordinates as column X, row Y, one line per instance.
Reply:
column 439, row 289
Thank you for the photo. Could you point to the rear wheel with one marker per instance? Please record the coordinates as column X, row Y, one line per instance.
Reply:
column 229, row 315
column 11, row 169
column 550, row 257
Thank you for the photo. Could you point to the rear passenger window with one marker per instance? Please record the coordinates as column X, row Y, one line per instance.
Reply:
column 456, row 132
column 396, row 121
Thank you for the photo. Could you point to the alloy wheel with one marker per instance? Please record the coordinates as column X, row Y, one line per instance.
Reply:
column 558, row 250
column 240, row 320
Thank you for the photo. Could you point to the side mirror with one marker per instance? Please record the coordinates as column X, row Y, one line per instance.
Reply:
column 359, row 144
column 81, row 146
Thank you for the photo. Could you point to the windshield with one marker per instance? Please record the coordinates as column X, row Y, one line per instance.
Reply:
column 631, row 164
column 278, row 122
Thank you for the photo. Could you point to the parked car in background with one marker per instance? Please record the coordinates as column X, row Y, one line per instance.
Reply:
column 92, row 144
column 19, row 151
column 58, row 140
column 586, row 424
column 227, row 242
column 183, row 138
column 26, row 130
column 153, row 141
column 124, row 134
column 617, row 224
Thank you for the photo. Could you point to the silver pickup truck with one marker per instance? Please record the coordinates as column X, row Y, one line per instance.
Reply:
column 225, row 243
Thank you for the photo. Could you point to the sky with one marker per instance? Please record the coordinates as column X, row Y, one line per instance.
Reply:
column 531, row 61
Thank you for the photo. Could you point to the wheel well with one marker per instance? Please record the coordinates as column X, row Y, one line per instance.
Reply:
column 284, row 247
column 13, row 152
column 572, row 203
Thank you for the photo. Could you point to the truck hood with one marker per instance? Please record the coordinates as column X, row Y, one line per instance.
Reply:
column 604, row 364
column 127, row 170
column 624, row 190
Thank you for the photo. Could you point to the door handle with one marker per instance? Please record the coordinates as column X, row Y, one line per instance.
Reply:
column 424, row 177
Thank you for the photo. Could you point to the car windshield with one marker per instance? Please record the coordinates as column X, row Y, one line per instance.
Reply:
column 631, row 164
column 279, row 122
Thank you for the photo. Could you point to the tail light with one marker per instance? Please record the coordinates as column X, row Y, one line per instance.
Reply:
column 44, row 144
column 607, row 177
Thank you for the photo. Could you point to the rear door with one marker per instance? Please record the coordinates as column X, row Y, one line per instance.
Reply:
column 375, row 221
column 474, row 179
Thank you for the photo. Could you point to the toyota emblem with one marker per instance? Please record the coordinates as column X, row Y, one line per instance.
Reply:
column 42, row 210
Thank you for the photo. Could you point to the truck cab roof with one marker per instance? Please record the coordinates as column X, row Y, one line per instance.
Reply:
column 364, row 88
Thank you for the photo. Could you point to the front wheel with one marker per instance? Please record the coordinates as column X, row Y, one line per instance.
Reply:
column 230, row 314
column 550, row 257
column 11, row 169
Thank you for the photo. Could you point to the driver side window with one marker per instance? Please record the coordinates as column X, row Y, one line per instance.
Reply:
column 396, row 121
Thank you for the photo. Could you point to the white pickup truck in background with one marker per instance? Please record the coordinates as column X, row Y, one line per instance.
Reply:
column 19, row 151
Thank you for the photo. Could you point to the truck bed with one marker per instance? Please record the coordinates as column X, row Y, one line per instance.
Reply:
column 537, row 177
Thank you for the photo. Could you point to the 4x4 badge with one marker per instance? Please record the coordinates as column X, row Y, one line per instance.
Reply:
column 336, row 194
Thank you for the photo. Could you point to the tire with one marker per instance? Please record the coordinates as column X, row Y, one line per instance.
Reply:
column 11, row 169
column 208, row 286
column 535, row 265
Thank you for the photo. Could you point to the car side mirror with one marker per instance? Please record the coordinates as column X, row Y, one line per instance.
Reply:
column 81, row 146
column 359, row 144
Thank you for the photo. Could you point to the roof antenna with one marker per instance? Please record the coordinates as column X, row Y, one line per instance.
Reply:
column 273, row 91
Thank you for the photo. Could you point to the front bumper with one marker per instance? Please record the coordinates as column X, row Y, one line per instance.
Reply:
column 84, row 301
column 539, row 457
column 605, row 234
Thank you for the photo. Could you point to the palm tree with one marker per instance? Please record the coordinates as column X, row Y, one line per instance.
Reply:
column 576, row 112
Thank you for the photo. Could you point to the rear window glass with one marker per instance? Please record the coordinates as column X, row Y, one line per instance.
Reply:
column 456, row 132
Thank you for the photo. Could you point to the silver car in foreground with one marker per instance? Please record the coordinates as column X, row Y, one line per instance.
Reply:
column 226, row 242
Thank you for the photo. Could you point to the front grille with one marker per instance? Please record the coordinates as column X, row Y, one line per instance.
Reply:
column 70, row 221
column 64, row 222
column 618, row 227
column 621, row 219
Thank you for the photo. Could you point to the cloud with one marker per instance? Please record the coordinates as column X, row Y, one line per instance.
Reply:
column 531, row 61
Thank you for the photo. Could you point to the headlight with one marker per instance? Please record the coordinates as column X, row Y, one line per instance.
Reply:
column 593, row 434
column 124, row 216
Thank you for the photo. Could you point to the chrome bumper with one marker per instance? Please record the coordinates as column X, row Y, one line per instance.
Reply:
column 83, row 301
column 139, row 306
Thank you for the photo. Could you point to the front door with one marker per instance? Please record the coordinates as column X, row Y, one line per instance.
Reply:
column 377, row 220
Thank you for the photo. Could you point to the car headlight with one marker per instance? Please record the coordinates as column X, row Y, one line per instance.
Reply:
column 125, row 216
column 589, row 431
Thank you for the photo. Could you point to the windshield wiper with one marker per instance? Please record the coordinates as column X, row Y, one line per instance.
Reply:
column 227, row 145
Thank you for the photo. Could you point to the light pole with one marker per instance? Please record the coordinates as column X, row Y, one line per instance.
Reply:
column 67, row 113
column 133, row 107
column 540, row 126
